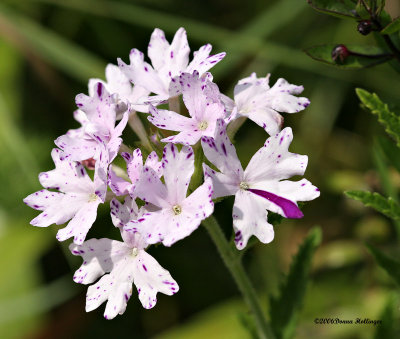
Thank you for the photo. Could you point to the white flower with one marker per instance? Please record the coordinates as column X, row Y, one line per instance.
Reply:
column 169, row 61
column 256, row 100
column 121, row 264
column 262, row 186
column 178, row 216
column 77, row 199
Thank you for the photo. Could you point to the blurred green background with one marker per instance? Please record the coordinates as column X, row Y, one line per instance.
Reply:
column 48, row 51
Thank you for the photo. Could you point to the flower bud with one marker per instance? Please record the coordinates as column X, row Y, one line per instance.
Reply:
column 364, row 27
column 340, row 53
column 89, row 163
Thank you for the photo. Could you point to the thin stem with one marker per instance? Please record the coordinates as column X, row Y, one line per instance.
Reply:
column 174, row 104
column 386, row 37
column 392, row 47
column 234, row 265
column 137, row 126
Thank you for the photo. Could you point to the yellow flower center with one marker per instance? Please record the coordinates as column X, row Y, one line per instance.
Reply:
column 203, row 125
column 244, row 185
column 177, row 209
column 135, row 252
column 93, row 197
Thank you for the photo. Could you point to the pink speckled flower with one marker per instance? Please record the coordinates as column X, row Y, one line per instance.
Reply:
column 202, row 100
column 121, row 264
column 119, row 86
column 262, row 186
column 77, row 198
column 98, row 135
column 256, row 100
column 134, row 164
column 178, row 216
column 168, row 61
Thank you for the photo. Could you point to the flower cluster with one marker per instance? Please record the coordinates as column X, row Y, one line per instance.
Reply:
column 171, row 206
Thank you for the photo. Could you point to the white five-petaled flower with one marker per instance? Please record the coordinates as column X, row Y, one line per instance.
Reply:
column 118, row 85
column 262, row 186
column 256, row 100
column 121, row 264
column 178, row 216
column 202, row 99
column 134, row 165
column 77, row 199
column 98, row 136
column 168, row 61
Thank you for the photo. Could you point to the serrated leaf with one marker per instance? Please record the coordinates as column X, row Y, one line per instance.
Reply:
column 388, row 119
column 393, row 27
column 387, row 206
column 390, row 265
column 284, row 308
column 339, row 8
column 386, row 328
column 323, row 53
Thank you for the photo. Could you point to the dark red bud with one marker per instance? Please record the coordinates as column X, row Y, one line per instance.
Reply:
column 340, row 53
column 364, row 27
column 89, row 163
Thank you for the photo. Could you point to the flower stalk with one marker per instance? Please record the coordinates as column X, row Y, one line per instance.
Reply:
column 233, row 263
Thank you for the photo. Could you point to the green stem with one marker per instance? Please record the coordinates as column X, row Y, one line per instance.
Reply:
column 234, row 265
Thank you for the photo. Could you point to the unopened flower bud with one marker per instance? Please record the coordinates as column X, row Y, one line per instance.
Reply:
column 340, row 53
column 364, row 27
column 89, row 163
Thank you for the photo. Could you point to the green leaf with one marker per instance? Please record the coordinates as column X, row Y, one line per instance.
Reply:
column 390, row 265
column 384, row 205
column 386, row 328
column 393, row 27
column 391, row 152
column 339, row 8
column 372, row 56
column 285, row 307
column 388, row 119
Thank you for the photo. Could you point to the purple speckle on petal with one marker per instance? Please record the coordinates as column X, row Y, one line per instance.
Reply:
column 288, row 207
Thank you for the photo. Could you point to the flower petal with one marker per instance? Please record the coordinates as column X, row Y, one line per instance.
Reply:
column 150, row 278
column 184, row 138
column 288, row 208
column 49, row 203
column 170, row 120
column 202, row 61
column 77, row 148
column 153, row 162
column 142, row 74
column 168, row 227
column 150, row 188
column 281, row 98
column 178, row 168
column 157, row 49
column 80, row 224
column 274, row 161
column 250, row 218
column 268, row 119
column 176, row 58
column 223, row 184
column 222, row 153
column 99, row 257
column 68, row 176
column 118, row 185
column 116, row 287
